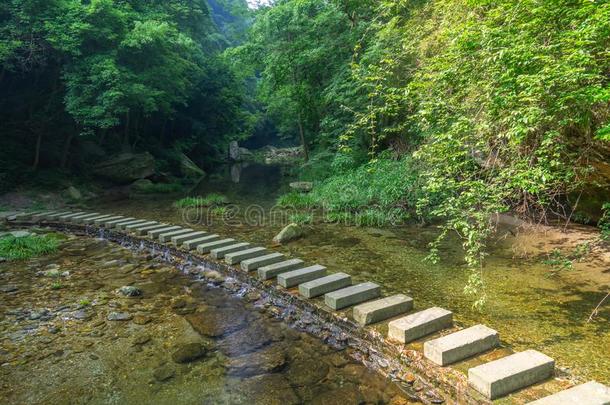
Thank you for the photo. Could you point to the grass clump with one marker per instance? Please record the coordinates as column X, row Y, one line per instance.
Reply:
column 604, row 222
column 296, row 200
column 25, row 247
column 301, row 218
column 212, row 199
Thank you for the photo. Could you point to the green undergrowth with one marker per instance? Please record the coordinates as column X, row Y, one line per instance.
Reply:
column 212, row 199
column 301, row 218
column 25, row 247
column 160, row 188
column 604, row 222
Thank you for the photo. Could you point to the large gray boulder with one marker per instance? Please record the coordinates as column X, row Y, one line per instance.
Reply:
column 126, row 167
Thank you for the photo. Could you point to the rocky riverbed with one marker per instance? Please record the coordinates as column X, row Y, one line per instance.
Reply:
column 97, row 323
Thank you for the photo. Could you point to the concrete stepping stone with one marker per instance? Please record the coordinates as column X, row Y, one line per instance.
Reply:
column 179, row 239
column 193, row 243
column 236, row 257
column 352, row 295
column 207, row 247
column 130, row 228
column 41, row 215
column 124, row 225
column 419, row 324
column 324, row 285
column 156, row 232
column 112, row 224
column 272, row 270
column 219, row 253
column 296, row 277
column 590, row 393
column 143, row 229
column 255, row 263
column 167, row 236
column 90, row 221
column 80, row 218
column 58, row 214
column 461, row 345
column 501, row 377
column 66, row 218
column 382, row 309
column 102, row 221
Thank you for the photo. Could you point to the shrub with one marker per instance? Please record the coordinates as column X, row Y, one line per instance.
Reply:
column 25, row 247
column 301, row 218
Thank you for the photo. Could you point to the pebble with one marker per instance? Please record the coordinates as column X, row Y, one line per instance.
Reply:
column 8, row 288
column 164, row 373
column 141, row 319
column 189, row 352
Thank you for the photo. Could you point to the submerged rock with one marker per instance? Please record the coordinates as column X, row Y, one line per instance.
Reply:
column 119, row 316
column 269, row 389
column 189, row 352
column 164, row 373
column 290, row 232
column 8, row 288
column 264, row 361
column 130, row 291
column 217, row 322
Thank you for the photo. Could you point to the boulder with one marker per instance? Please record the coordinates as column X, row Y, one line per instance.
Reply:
column 245, row 154
column 290, row 232
column 189, row 352
column 234, row 152
column 126, row 167
column 302, row 186
column 73, row 193
column 189, row 169
column 141, row 185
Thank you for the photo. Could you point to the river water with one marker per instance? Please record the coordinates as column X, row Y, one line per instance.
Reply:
column 529, row 305
column 68, row 335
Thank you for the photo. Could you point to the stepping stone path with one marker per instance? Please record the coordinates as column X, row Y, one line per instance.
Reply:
column 461, row 345
column 500, row 377
column 493, row 379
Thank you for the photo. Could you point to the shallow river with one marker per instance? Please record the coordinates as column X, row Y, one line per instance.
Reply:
column 69, row 335
column 530, row 307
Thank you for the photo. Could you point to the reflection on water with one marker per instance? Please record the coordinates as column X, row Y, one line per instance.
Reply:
column 69, row 335
column 528, row 308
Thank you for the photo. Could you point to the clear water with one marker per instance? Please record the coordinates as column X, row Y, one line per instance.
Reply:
column 530, row 308
column 58, row 346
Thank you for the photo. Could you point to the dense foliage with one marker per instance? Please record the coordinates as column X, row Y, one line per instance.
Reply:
column 123, row 75
column 483, row 106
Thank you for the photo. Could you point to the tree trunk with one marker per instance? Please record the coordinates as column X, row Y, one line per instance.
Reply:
column 37, row 152
column 66, row 151
column 302, row 136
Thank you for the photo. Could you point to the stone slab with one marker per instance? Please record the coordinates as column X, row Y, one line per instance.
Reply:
column 207, row 247
column 272, row 270
column 130, row 228
column 143, row 230
column 56, row 215
column 324, row 285
column 461, row 345
column 104, row 220
column 237, row 257
column 180, row 239
column 419, row 324
column 296, row 277
column 124, row 225
column 219, row 253
column 590, row 393
column 352, row 295
column 80, row 218
column 167, row 236
column 193, row 243
column 156, row 232
column 90, row 221
column 255, row 263
column 66, row 217
column 382, row 309
column 503, row 376
column 41, row 215
column 111, row 224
